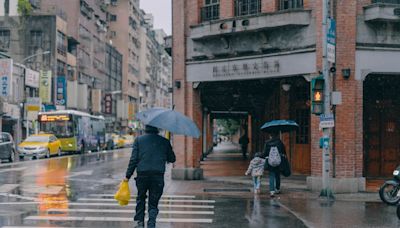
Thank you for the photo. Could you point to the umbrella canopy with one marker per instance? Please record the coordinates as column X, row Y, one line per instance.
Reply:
column 170, row 120
column 280, row 126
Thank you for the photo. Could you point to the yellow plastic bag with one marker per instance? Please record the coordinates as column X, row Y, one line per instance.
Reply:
column 123, row 194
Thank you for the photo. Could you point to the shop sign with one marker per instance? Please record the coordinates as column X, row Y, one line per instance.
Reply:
column 33, row 104
column 61, row 91
column 108, row 101
column 246, row 68
column 11, row 110
column 45, row 86
column 32, row 78
column 6, row 73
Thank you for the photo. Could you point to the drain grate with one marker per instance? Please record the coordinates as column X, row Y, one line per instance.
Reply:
column 227, row 190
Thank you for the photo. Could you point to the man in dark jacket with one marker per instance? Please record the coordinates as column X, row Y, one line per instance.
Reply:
column 274, row 172
column 149, row 155
column 244, row 142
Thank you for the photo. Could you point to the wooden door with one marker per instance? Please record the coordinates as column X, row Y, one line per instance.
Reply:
column 381, row 126
column 300, row 153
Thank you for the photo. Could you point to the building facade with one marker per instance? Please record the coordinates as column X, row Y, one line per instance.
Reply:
column 255, row 59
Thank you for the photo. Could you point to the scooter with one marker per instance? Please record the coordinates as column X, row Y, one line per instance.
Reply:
column 390, row 190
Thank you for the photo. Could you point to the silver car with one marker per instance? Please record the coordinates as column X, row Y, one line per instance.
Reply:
column 7, row 147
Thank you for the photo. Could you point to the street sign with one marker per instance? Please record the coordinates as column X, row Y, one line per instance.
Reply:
column 33, row 104
column 331, row 41
column 326, row 121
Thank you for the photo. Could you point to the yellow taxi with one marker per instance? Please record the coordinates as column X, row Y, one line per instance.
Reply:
column 39, row 145
column 128, row 140
column 118, row 141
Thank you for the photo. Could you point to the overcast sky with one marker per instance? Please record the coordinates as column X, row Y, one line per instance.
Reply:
column 161, row 9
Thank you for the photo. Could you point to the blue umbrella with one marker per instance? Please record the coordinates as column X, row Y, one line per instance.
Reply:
column 170, row 120
column 280, row 126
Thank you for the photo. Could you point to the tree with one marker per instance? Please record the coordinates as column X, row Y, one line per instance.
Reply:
column 228, row 126
column 24, row 8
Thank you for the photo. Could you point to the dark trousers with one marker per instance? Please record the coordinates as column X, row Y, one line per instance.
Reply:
column 274, row 180
column 154, row 185
column 244, row 151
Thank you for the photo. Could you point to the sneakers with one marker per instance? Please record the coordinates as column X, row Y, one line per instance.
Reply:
column 278, row 191
column 139, row 224
column 257, row 191
column 272, row 194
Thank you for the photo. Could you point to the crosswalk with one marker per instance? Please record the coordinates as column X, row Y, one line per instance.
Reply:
column 98, row 210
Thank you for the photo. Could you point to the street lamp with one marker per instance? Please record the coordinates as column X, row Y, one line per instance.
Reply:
column 29, row 57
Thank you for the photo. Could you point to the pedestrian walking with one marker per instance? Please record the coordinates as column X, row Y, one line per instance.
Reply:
column 256, row 169
column 274, row 150
column 150, row 153
column 244, row 142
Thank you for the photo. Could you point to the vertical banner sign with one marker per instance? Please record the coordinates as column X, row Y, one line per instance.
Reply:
column 32, row 78
column 331, row 44
column 61, row 91
column 108, row 104
column 45, row 86
column 6, row 72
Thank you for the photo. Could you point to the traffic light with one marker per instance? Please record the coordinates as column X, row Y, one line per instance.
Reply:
column 317, row 93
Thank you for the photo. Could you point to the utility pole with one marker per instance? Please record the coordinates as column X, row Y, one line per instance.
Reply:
column 326, row 180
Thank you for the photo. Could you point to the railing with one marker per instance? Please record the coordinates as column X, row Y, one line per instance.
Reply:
column 209, row 13
column 290, row 4
column 386, row 1
column 247, row 7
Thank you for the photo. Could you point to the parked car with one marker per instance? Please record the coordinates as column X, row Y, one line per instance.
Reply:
column 7, row 147
column 40, row 145
column 128, row 140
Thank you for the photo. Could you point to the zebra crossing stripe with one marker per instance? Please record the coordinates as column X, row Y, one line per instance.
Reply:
column 162, row 200
column 133, row 197
column 128, row 211
column 36, row 227
column 114, row 219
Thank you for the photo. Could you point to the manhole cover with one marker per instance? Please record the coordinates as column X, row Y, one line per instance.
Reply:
column 227, row 190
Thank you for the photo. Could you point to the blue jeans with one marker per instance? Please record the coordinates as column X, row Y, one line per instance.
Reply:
column 274, row 181
column 154, row 185
column 257, row 182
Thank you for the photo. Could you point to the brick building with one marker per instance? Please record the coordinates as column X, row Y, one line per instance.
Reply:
column 254, row 60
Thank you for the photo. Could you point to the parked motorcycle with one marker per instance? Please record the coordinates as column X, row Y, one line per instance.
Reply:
column 390, row 190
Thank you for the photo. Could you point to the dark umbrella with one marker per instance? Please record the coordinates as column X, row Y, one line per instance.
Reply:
column 280, row 126
column 170, row 120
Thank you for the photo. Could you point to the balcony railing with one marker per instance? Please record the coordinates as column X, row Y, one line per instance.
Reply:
column 209, row 13
column 290, row 4
column 247, row 7
column 386, row 1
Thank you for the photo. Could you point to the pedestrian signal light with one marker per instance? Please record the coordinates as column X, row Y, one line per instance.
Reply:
column 317, row 93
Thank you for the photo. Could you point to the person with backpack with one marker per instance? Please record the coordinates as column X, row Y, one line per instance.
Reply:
column 256, row 169
column 274, row 150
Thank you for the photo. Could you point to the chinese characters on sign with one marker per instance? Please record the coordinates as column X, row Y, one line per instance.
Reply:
column 247, row 69
column 5, row 77
column 61, row 91
column 108, row 104
column 32, row 78
column 331, row 37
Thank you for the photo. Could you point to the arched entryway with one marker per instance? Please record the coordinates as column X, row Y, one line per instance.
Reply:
column 381, row 125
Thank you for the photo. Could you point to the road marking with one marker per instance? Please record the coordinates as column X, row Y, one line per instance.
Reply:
column 8, row 187
column 162, row 200
column 18, row 196
column 115, row 219
column 50, row 190
column 105, row 204
column 85, row 173
column 12, row 169
column 129, row 211
column 164, row 196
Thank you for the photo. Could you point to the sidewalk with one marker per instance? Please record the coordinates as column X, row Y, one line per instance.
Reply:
column 225, row 167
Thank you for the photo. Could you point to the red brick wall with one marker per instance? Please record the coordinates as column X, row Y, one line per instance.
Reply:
column 268, row 6
column 226, row 9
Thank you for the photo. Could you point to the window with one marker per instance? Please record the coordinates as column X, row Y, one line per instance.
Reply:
column 61, row 47
column 36, row 39
column 7, row 7
column 113, row 17
column 61, row 68
column 247, row 7
column 210, row 11
column 387, row 1
column 290, row 4
column 5, row 38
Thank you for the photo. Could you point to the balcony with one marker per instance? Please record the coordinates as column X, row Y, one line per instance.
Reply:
column 252, row 23
column 382, row 10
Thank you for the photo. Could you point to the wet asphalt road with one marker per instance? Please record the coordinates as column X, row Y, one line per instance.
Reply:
column 77, row 191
